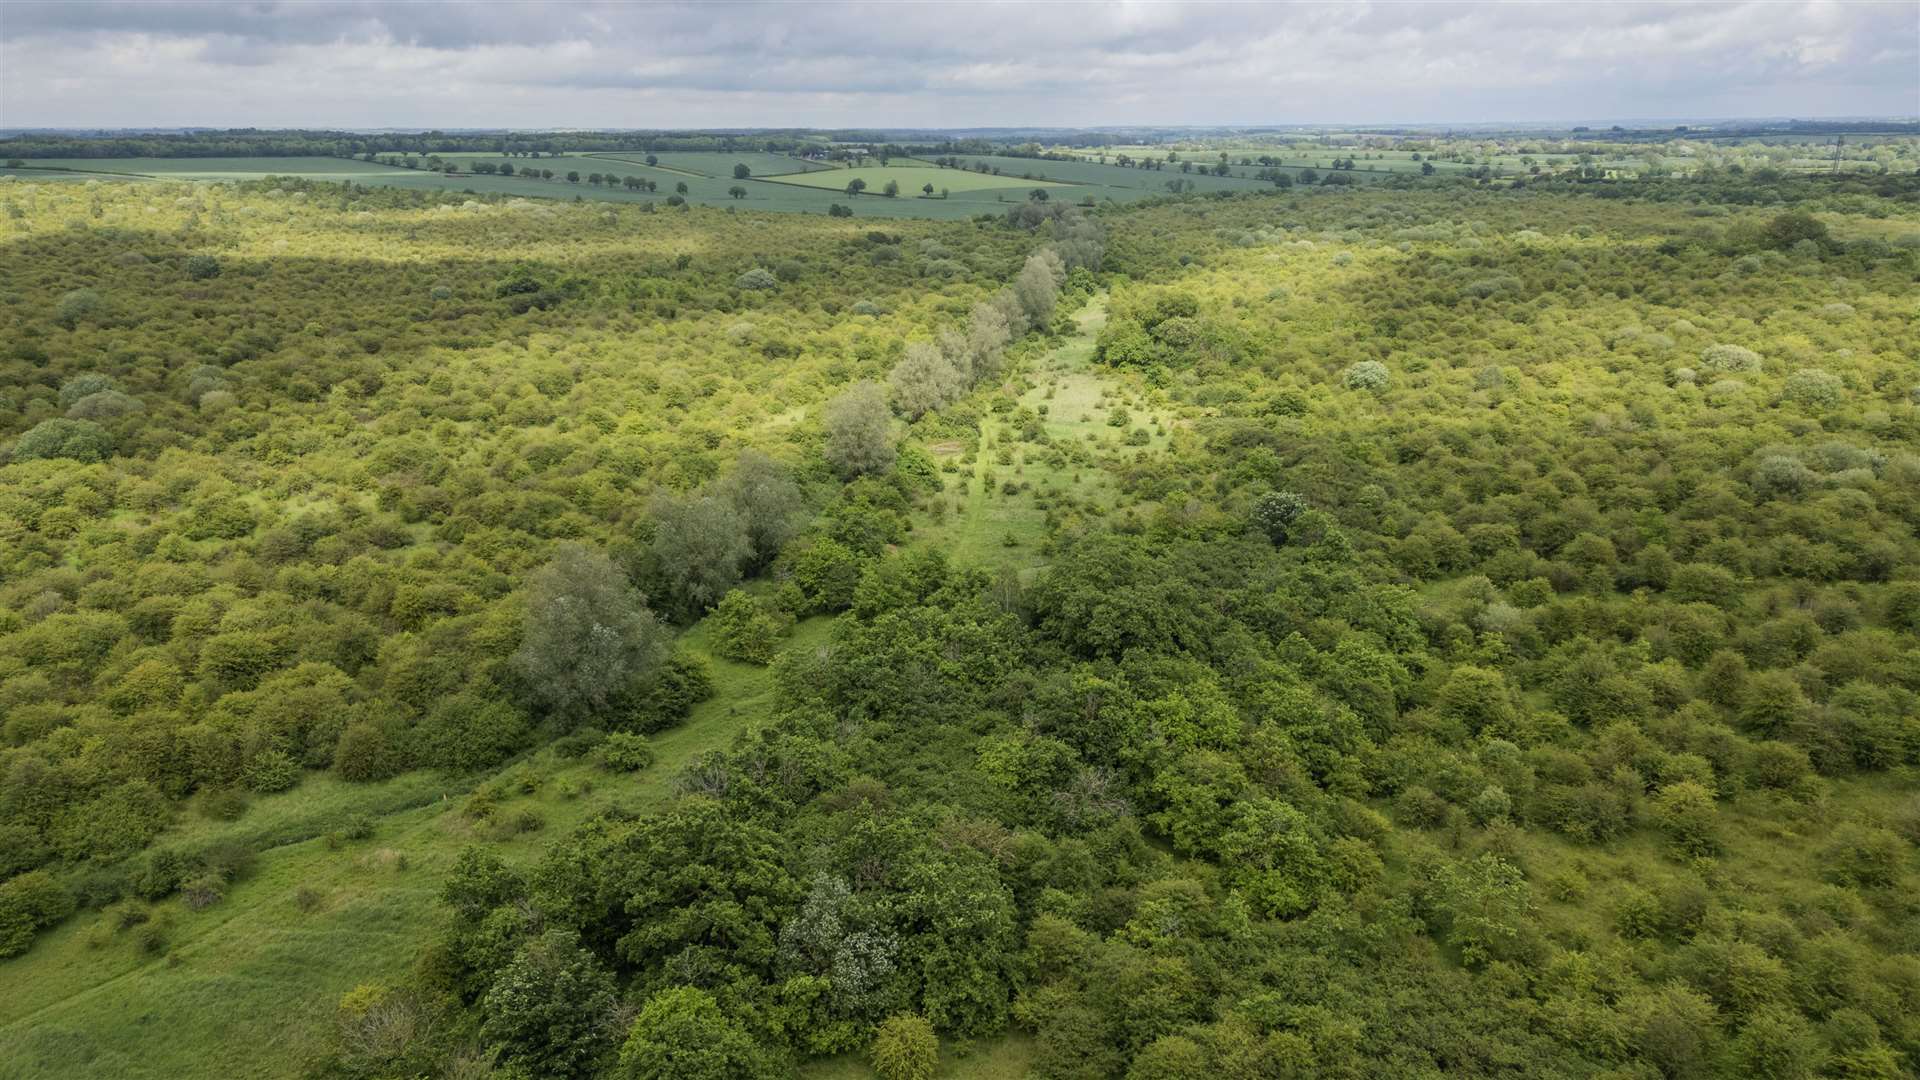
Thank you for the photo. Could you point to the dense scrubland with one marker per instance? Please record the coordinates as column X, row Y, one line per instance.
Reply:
column 1332, row 632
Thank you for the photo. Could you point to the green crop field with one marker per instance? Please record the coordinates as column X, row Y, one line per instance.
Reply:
column 719, row 165
column 1121, row 183
column 912, row 178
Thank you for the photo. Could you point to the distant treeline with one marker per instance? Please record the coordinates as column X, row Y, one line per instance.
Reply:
column 248, row 142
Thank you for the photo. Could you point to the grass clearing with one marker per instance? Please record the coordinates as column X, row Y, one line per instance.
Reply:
column 247, row 987
column 987, row 524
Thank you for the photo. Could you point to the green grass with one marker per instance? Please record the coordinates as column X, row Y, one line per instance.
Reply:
column 248, row 986
column 981, row 515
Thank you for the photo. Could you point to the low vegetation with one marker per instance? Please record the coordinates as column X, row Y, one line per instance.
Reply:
column 1433, row 629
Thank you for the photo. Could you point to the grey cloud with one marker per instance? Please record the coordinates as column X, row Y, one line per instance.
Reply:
column 396, row 64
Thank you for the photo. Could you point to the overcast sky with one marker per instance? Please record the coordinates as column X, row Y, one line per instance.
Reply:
column 326, row 64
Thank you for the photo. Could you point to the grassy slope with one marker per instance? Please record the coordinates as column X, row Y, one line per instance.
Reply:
column 247, row 987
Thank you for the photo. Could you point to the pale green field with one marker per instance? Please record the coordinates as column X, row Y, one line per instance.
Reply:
column 912, row 178
column 716, row 164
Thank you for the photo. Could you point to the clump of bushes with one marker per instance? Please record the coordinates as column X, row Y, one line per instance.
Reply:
column 1370, row 375
column 1730, row 358
column 625, row 751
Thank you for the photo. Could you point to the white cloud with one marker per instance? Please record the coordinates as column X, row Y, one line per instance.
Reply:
column 945, row 64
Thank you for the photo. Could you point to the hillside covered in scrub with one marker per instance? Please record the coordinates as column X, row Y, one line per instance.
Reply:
column 1333, row 631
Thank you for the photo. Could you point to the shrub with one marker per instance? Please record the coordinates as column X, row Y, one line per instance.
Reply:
column 203, row 891
column 1730, row 358
column 1369, row 375
column 1420, row 808
column 578, row 744
column 1275, row 512
column 747, row 630
column 85, row 385
column 625, row 751
column 1685, row 812
column 666, row 697
column 77, row 305
column 365, row 753
column 28, row 904
column 682, row 1033
column 270, row 771
column 202, row 267
column 1863, row 855
column 81, row 440
column 223, row 804
column 104, row 405
column 905, row 1048
column 759, row 279
column 1813, row 387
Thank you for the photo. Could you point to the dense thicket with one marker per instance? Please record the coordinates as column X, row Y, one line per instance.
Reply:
column 1507, row 662
column 283, row 466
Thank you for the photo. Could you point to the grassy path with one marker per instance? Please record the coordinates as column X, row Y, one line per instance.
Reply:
column 1071, row 399
column 247, row 987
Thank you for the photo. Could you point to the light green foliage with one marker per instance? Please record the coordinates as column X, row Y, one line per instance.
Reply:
column 1568, row 734
column 625, row 751
column 905, row 1048
column 1365, row 375
column 746, row 629
column 681, row 1034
